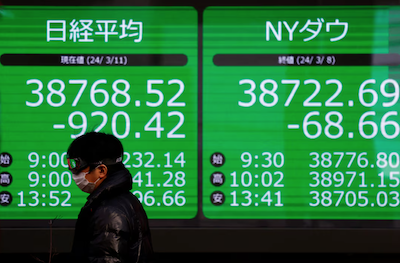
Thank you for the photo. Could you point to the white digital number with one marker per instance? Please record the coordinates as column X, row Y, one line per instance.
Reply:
column 36, row 91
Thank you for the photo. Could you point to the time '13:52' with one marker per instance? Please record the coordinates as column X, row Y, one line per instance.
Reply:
column 55, row 198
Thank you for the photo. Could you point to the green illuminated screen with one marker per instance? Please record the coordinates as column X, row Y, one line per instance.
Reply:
column 298, row 116
column 300, row 113
column 127, row 71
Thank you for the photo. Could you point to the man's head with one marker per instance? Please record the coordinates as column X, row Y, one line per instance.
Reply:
column 92, row 156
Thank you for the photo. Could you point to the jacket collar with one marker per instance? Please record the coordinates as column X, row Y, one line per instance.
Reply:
column 116, row 182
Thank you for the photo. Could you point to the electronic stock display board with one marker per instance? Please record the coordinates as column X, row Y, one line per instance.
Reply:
column 298, row 113
column 301, row 106
column 127, row 71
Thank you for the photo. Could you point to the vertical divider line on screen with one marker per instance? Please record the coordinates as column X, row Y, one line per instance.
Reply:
column 200, row 12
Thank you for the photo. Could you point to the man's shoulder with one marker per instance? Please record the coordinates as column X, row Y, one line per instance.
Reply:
column 124, row 202
column 115, row 210
column 117, row 200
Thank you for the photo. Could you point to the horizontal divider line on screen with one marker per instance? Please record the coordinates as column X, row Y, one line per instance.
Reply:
column 307, row 59
column 93, row 59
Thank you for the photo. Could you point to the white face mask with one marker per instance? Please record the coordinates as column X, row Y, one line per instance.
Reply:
column 83, row 183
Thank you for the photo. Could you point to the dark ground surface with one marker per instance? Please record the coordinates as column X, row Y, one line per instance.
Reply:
column 229, row 257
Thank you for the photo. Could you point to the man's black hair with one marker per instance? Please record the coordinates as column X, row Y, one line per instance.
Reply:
column 94, row 147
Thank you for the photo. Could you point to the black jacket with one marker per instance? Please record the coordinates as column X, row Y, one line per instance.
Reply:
column 112, row 226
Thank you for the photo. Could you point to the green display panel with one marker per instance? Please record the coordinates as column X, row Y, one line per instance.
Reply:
column 128, row 71
column 300, row 113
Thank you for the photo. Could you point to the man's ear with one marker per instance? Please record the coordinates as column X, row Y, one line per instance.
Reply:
column 102, row 170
